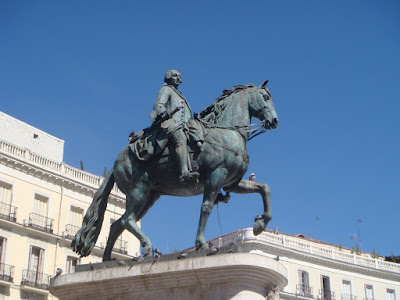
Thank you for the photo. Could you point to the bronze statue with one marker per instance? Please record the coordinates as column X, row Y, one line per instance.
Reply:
column 143, row 172
column 174, row 110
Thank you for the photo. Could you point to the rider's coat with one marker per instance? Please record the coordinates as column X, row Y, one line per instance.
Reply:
column 168, row 99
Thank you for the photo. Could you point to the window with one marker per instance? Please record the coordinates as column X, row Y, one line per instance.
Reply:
column 5, row 193
column 38, row 218
column 36, row 259
column 346, row 290
column 369, row 292
column 303, row 287
column 390, row 294
column 34, row 275
column 325, row 292
column 72, row 262
column 75, row 221
column 76, row 216
column 2, row 249
column 6, row 210
column 40, row 204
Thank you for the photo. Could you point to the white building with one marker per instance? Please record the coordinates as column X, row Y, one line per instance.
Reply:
column 319, row 270
column 42, row 204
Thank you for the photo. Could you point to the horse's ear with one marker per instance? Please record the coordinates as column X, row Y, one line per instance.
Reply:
column 263, row 85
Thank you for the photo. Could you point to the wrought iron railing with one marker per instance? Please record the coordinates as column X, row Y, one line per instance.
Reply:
column 349, row 297
column 8, row 212
column 35, row 279
column 6, row 272
column 304, row 290
column 121, row 246
column 70, row 231
column 326, row 295
column 40, row 222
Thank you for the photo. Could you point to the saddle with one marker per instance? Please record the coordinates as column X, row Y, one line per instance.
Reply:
column 153, row 141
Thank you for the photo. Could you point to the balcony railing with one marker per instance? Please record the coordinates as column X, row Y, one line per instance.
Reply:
column 70, row 231
column 326, row 295
column 6, row 272
column 349, row 297
column 8, row 212
column 35, row 279
column 40, row 222
column 304, row 290
column 70, row 172
column 121, row 246
column 316, row 249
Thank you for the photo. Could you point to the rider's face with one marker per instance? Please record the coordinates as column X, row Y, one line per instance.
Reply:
column 175, row 79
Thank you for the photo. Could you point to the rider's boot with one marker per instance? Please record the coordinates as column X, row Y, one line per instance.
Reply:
column 181, row 152
column 182, row 157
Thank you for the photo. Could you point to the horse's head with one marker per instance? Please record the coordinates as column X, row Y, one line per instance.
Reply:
column 262, row 107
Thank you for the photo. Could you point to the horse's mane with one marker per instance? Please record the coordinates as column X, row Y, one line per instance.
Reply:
column 213, row 112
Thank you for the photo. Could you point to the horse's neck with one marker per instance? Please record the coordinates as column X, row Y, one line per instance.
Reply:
column 236, row 112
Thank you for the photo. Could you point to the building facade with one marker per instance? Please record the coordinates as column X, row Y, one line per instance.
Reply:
column 319, row 270
column 42, row 204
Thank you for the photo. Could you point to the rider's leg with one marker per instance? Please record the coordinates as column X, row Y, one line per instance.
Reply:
column 181, row 153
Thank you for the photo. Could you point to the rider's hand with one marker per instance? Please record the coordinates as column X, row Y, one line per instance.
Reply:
column 165, row 115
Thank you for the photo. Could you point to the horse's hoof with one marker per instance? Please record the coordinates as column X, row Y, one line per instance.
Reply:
column 200, row 245
column 259, row 226
column 147, row 251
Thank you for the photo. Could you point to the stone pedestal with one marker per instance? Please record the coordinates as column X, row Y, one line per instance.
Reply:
column 225, row 276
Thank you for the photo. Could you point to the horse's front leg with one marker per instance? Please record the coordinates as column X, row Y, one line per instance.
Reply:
column 211, row 188
column 249, row 187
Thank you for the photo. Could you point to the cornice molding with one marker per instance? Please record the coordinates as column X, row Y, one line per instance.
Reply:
column 320, row 260
column 55, row 178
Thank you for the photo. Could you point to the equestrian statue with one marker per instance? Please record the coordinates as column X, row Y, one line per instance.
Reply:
column 181, row 155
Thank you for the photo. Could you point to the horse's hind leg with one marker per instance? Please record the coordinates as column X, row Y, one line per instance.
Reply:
column 116, row 229
column 248, row 187
column 138, row 202
column 130, row 223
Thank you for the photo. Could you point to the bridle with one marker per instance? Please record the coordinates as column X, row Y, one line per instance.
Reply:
column 245, row 129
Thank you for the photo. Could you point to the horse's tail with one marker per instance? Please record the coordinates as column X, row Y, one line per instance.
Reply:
column 87, row 235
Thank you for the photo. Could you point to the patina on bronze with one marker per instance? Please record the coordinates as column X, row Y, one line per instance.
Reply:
column 221, row 163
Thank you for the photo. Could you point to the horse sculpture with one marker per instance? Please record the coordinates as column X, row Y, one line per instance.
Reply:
column 222, row 162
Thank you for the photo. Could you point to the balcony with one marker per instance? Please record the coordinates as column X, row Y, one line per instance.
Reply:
column 8, row 212
column 35, row 279
column 304, row 290
column 6, row 273
column 121, row 246
column 349, row 297
column 39, row 222
column 70, row 231
column 326, row 295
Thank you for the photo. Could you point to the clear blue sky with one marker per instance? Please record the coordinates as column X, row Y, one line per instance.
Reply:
column 88, row 72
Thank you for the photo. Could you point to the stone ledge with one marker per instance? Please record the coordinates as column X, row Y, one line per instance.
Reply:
column 226, row 276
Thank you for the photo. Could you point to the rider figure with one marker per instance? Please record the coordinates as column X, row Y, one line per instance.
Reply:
column 172, row 109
